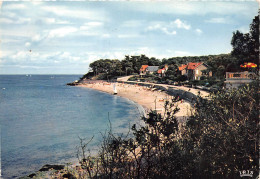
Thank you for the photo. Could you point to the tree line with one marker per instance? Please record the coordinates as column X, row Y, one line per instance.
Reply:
column 245, row 49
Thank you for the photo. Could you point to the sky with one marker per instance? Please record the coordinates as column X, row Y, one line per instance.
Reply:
column 64, row 37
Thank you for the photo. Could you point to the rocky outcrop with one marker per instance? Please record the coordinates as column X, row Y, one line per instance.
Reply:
column 48, row 167
column 73, row 84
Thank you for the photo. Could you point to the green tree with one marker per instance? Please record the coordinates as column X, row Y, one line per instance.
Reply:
column 172, row 72
column 224, row 133
column 246, row 46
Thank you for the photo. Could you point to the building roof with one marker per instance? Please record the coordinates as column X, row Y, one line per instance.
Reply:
column 182, row 67
column 143, row 67
column 152, row 68
column 160, row 70
column 192, row 66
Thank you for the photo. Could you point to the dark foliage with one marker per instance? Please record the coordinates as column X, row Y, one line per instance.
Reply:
column 246, row 46
column 219, row 140
column 224, row 133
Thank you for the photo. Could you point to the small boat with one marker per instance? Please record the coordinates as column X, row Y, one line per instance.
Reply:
column 114, row 89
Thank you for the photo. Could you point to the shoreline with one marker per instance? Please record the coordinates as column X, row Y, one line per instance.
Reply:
column 149, row 99
column 142, row 109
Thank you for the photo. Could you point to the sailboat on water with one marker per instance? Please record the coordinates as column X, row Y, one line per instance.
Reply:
column 114, row 89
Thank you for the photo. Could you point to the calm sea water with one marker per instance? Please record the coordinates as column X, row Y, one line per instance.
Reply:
column 41, row 119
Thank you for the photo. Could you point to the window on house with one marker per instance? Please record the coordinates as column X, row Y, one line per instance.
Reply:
column 236, row 75
column 197, row 72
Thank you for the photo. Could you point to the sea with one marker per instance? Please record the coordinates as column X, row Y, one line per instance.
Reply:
column 42, row 120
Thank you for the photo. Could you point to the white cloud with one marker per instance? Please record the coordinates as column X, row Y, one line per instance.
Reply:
column 52, row 20
column 49, row 20
column 243, row 29
column 181, row 25
column 106, row 35
column 91, row 25
column 54, row 33
column 176, row 53
column 27, row 44
column 9, row 41
column 132, row 23
column 32, row 58
column 20, row 55
column 161, row 28
column 92, row 56
column 181, row 53
column 218, row 20
column 198, row 31
column 61, row 32
column 30, row 66
column 88, row 33
column 55, row 21
column 9, row 17
column 14, row 33
column 169, row 28
column 15, row 6
column 93, row 28
column 94, row 24
column 142, row 50
column 9, row 14
column 127, row 35
column 36, row 3
column 23, row 20
column 37, row 38
column 76, row 13
column 198, row 8
column 20, row 20
column 6, row 20
column 5, row 53
column 25, row 56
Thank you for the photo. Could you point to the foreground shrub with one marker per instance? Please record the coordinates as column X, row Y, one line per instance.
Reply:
column 219, row 140
column 224, row 133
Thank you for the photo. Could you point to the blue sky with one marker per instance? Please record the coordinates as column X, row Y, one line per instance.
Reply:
column 64, row 37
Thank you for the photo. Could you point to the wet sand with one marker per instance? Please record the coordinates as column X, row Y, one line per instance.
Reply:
column 150, row 99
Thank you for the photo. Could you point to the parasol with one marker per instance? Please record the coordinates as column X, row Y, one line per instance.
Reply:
column 248, row 65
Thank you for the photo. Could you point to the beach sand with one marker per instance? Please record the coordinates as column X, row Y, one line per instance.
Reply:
column 144, row 96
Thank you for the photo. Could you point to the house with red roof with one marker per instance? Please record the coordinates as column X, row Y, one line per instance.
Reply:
column 182, row 69
column 194, row 71
column 161, row 72
column 145, row 69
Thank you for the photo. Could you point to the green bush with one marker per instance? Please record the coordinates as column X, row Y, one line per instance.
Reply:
column 219, row 140
column 224, row 132
column 181, row 78
column 203, row 78
column 133, row 78
column 102, row 77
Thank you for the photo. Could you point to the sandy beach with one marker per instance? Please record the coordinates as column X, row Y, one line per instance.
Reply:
column 148, row 98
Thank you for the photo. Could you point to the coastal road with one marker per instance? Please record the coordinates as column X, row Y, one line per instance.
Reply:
column 202, row 93
column 124, row 78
